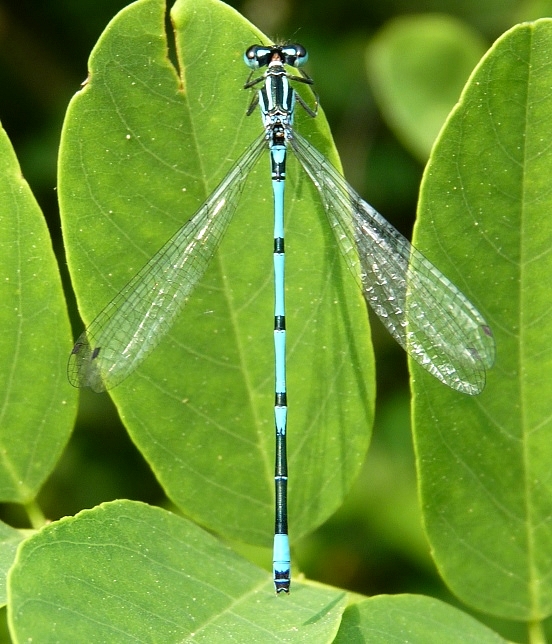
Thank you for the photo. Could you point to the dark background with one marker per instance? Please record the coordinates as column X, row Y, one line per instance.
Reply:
column 375, row 543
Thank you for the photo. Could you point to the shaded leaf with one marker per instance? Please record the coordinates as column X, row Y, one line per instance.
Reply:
column 417, row 66
column 410, row 618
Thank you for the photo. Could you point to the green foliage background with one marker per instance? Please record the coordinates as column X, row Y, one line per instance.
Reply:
column 375, row 543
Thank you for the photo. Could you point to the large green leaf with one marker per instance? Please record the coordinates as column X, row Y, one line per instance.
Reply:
column 37, row 408
column 127, row 572
column 143, row 145
column 485, row 463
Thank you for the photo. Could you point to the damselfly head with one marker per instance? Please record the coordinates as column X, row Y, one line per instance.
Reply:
column 258, row 56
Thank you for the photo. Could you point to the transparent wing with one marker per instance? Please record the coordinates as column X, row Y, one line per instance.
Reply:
column 429, row 317
column 141, row 314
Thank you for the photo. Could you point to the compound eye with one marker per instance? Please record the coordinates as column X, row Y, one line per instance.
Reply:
column 295, row 55
column 257, row 56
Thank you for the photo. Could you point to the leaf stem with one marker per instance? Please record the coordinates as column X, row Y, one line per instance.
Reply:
column 35, row 514
column 536, row 633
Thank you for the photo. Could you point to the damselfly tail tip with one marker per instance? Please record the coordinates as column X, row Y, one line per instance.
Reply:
column 282, row 586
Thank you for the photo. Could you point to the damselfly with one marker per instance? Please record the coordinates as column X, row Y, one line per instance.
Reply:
column 419, row 306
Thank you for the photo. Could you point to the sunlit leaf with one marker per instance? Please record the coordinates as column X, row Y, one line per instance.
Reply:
column 125, row 572
column 144, row 143
column 37, row 407
column 485, row 462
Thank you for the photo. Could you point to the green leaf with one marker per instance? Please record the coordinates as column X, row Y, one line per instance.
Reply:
column 9, row 540
column 410, row 618
column 37, row 407
column 143, row 145
column 484, row 463
column 417, row 66
column 126, row 572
